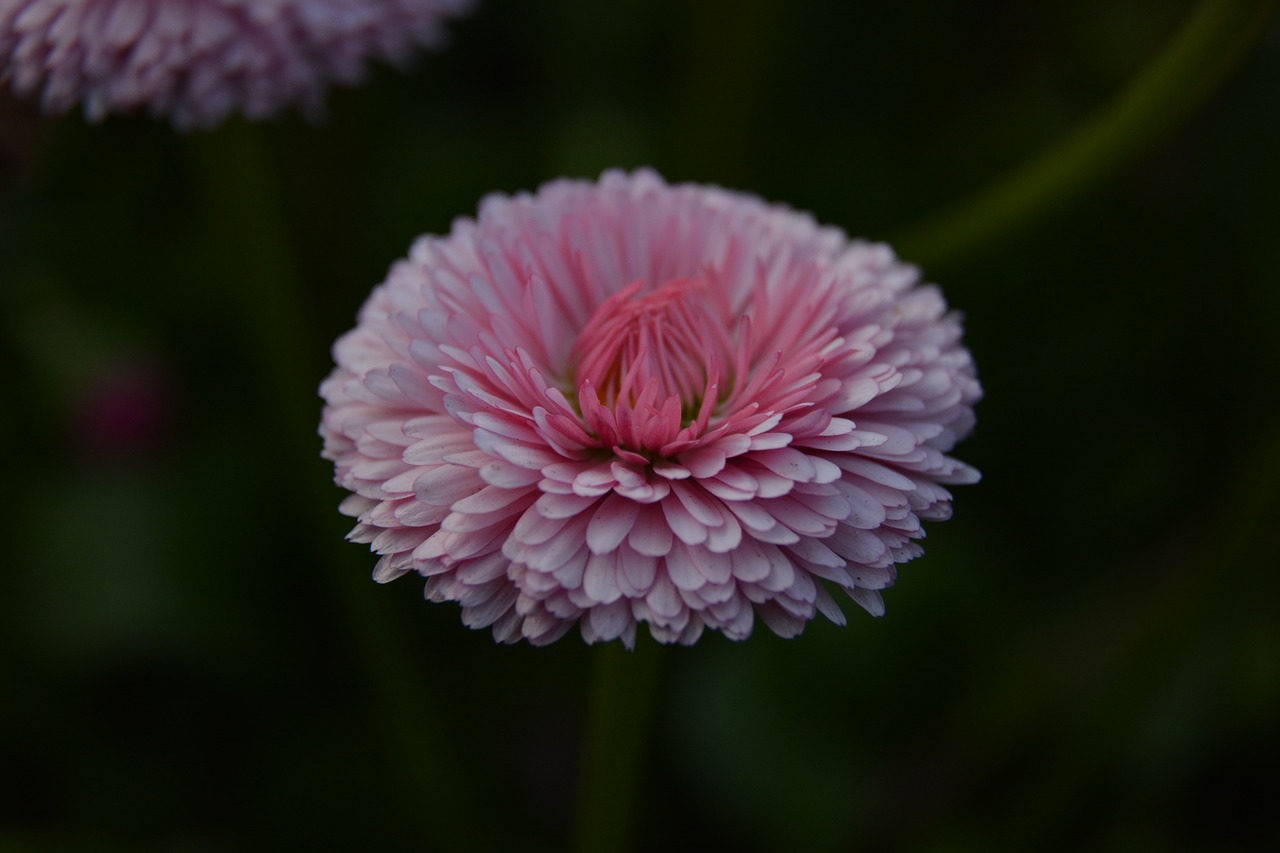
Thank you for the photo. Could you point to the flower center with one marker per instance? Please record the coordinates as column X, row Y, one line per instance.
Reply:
column 672, row 335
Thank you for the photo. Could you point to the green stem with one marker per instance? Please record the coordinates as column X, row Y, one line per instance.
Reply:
column 247, row 227
column 1165, row 93
column 619, row 714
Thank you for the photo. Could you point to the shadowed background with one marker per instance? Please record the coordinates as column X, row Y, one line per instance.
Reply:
column 1088, row 656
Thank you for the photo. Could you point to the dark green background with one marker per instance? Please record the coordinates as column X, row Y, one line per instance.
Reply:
column 1088, row 657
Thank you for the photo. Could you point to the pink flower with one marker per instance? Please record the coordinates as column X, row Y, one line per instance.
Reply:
column 198, row 60
column 624, row 402
column 127, row 408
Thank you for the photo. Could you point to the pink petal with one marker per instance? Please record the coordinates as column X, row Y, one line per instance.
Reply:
column 687, row 528
column 600, row 579
column 651, row 535
column 611, row 523
column 682, row 570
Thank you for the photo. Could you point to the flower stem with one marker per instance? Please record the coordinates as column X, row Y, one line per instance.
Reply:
column 620, row 707
column 249, row 236
column 1165, row 93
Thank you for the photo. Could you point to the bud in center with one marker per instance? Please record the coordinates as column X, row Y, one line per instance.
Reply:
column 672, row 335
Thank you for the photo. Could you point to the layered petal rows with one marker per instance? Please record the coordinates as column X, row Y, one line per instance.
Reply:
column 198, row 60
column 625, row 402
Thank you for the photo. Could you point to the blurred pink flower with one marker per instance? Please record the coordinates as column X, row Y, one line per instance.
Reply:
column 198, row 60
column 126, row 408
column 624, row 402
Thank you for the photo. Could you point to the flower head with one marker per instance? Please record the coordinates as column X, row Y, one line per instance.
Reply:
column 198, row 60
column 628, row 402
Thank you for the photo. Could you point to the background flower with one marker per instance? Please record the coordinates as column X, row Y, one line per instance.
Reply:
column 198, row 60
column 630, row 402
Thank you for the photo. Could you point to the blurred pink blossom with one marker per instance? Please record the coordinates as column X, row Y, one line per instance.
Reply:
column 626, row 402
column 199, row 60
column 126, row 408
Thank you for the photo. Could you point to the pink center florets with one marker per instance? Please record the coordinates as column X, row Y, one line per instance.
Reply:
column 658, row 356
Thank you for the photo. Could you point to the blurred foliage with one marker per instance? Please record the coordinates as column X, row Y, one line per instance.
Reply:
column 1088, row 657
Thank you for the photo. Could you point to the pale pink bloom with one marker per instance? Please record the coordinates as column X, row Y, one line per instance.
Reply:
column 606, row 404
column 198, row 60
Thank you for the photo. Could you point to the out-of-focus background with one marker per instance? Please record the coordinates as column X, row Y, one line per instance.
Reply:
column 1088, row 656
